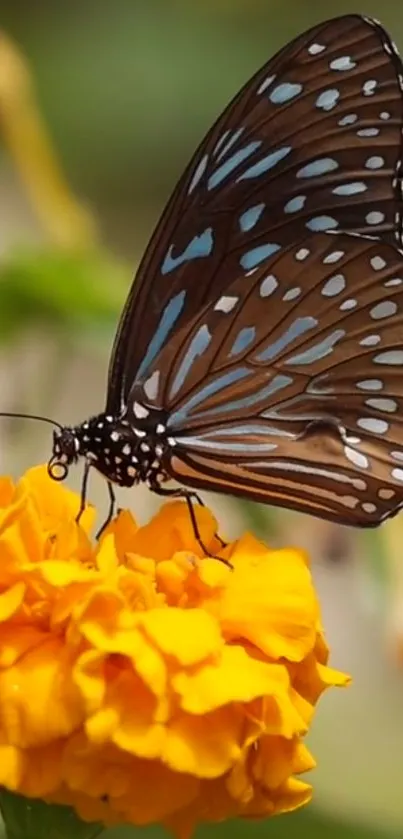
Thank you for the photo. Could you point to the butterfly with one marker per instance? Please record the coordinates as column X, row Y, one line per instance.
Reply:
column 260, row 350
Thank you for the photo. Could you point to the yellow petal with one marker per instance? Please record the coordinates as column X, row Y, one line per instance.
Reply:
column 234, row 677
column 11, row 600
column 190, row 636
column 204, row 746
column 171, row 530
column 269, row 601
column 38, row 702
column 11, row 767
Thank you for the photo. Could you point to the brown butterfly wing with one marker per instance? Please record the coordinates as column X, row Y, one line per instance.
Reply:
column 312, row 142
column 288, row 388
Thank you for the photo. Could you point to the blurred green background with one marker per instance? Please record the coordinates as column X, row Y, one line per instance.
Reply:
column 125, row 90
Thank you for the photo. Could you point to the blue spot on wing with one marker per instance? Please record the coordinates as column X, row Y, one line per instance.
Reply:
column 208, row 390
column 243, row 340
column 321, row 166
column 328, row 99
column 235, row 160
column 221, row 446
column 198, row 345
column 318, row 351
column 350, row 189
column 167, row 321
column 253, row 257
column 265, row 164
column 246, row 428
column 294, row 205
column 200, row 246
column 285, row 92
column 230, row 138
column 322, row 223
column 298, row 328
column 198, row 173
column 250, row 217
column 277, row 383
column 220, row 142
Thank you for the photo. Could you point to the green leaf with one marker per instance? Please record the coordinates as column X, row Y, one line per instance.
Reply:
column 29, row 818
column 61, row 291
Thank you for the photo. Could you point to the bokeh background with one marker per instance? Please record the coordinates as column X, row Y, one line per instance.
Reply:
column 101, row 105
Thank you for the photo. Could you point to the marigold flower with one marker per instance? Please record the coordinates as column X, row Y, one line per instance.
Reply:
column 142, row 682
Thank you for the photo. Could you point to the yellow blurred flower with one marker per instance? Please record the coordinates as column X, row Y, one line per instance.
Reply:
column 141, row 682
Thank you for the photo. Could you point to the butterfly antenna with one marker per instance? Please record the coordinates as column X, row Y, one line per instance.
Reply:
column 32, row 417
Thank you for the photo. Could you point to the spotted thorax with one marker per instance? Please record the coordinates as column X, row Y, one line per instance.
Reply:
column 124, row 453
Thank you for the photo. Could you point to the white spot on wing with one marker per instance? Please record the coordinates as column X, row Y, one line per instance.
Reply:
column 375, row 217
column 302, row 254
column 351, row 303
column 315, row 49
column 369, row 87
column 356, row 457
column 334, row 286
column 140, row 411
column 375, row 162
column 377, row 263
column 383, row 310
column 348, row 119
column 376, row 426
column 226, row 304
column 387, row 405
column 368, row 507
column 395, row 281
column 198, row 173
column 393, row 357
column 370, row 384
column 344, row 62
column 151, row 385
column 265, row 84
column 333, row 257
column 268, row 285
column 292, row 293
column 370, row 341
column 386, row 494
column 368, row 132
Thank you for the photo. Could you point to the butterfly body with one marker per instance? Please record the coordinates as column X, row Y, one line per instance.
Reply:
column 260, row 351
column 123, row 452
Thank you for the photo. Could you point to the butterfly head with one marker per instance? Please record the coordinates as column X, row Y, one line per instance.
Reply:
column 65, row 452
column 123, row 454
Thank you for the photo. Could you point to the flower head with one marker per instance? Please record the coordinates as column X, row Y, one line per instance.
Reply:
column 142, row 682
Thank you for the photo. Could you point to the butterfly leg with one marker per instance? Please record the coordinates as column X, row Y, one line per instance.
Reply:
column 191, row 494
column 84, row 487
column 188, row 496
column 111, row 511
